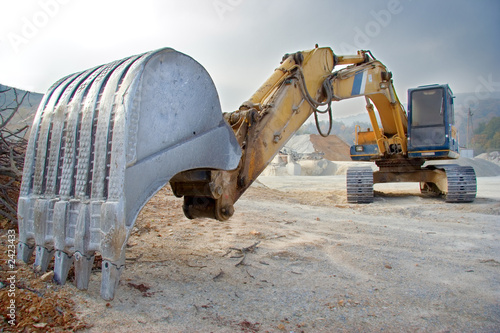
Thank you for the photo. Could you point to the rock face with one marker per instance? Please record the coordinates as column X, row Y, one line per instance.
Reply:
column 309, row 155
column 332, row 147
column 19, row 108
column 482, row 167
column 494, row 157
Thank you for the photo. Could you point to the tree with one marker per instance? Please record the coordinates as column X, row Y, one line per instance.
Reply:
column 12, row 149
column 487, row 136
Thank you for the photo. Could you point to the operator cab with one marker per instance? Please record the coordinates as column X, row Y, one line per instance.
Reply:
column 431, row 134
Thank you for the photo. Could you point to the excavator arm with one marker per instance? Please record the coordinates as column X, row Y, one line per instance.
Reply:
column 262, row 125
column 372, row 80
column 302, row 83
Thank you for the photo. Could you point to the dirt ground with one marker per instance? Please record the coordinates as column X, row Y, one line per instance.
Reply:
column 295, row 257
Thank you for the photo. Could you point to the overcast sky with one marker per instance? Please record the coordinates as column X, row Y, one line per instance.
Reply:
column 240, row 42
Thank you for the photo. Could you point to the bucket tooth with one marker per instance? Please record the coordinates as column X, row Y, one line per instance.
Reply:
column 42, row 258
column 83, row 268
column 103, row 142
column 82, row 228
column 26, row 244
column 113, row 247
column 110, row 278
column 63, row 257
column 62, row 265
column 44, row 250
column 84, row 259
column 60, row 220
column 25, row 251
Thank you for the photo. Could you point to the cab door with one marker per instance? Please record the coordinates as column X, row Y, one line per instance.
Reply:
column 430, row 122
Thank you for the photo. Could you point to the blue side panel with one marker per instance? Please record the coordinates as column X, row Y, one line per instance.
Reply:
column 356, row 85
column 433, row 154
column 369, row 152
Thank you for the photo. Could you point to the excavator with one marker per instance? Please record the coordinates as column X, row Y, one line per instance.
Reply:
column 105, row 140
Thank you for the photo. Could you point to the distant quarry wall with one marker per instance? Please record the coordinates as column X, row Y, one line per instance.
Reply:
column 312, row 155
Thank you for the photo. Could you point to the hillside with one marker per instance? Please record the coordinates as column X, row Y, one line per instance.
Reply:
column 17, row 109
column 332, row 147
column 483, row 110
column 23, row 118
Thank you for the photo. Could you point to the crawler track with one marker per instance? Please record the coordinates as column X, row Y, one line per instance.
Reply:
column 462, row 184
column 359, row 185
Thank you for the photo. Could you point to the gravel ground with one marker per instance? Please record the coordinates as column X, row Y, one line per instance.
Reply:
column 296, row 257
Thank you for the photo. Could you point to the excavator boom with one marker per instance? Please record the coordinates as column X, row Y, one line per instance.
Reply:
column 262, row 125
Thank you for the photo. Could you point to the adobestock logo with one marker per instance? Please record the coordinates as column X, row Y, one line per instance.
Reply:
column 222, row 7
column 381, row 19
column 485, row 89
column 33, row 24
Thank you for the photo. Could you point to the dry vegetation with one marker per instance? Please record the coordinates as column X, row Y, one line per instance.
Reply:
column 12, row 148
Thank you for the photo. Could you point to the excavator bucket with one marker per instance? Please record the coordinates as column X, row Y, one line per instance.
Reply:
column 103, row 142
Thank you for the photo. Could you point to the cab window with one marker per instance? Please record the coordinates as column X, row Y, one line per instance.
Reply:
column 427, row 107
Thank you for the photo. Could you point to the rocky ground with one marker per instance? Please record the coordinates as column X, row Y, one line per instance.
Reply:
column 296, row 257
